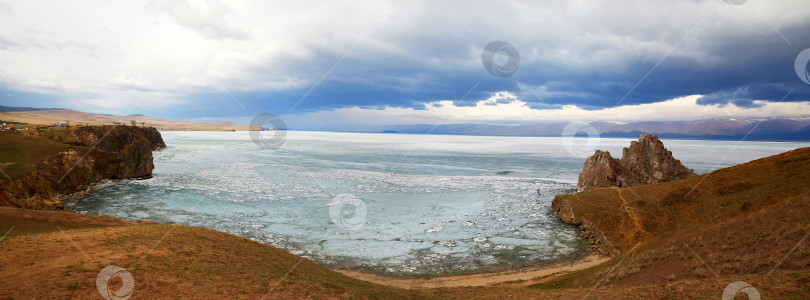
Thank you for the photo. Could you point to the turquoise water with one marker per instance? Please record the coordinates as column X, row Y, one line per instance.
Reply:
column 402, row 205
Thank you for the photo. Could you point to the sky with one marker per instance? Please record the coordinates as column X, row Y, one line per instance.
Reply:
column 347, row 65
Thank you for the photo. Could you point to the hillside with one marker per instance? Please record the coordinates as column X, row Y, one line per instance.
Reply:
column 165, row 260
column 19, row 154
column 58, row 255
column 38, row 173
column 745, row 220
column 52, row 116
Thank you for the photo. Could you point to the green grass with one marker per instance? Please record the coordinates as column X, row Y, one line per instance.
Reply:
column 20, row 153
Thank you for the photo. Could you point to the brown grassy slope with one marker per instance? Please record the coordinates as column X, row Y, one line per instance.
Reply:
column 166, row 261
column 780, row 285
column 27, row 221
column 186, row 262
column 746, row 219
column 20, row 153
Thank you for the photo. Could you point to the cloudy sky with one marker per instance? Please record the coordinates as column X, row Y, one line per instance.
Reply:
column 349, row 64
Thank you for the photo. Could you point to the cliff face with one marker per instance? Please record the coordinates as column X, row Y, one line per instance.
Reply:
column 115, row 138
column 650, row 162
column 124, row 152
column 646, row 161
column 602, row 170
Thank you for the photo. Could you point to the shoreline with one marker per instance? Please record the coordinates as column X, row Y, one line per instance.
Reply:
column 530, row 275
column 527, row 275
column 473, row 279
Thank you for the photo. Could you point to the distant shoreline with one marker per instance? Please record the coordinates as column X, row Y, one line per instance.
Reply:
column 664, row 136
column 795, row 129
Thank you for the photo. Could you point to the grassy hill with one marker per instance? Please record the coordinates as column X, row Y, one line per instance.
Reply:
column 743, row 221
column 53, row 116
column 165, row 260
column 58, row 255
column 21, row 153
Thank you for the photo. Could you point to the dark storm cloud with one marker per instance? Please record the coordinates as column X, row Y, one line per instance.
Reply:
column 592, row 54
column 597, row 56
column 739, row 97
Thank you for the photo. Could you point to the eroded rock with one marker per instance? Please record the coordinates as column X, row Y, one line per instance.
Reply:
column 124, row 152
column 646, row 161
column 114, row 138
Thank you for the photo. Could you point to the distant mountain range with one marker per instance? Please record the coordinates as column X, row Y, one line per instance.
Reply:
column 774, row 129
column 32, row 115
column 15, row 108
column 725, row 129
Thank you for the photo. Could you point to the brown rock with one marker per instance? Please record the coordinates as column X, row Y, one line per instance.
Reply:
column 114, row 138
column 650, row 162
column 116, row 152
column 42, row 203
column 135, row 160
column 602, row 170
column 646, row 161
column 587, row 230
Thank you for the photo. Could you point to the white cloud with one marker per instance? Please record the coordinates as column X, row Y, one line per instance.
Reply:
column 517, row 111
column 129, row 82
column 126, row 102
column 211, row 18
column 6, row 8
column 171, row 49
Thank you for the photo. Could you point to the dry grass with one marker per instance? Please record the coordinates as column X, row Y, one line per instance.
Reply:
column 169, row 261
column 53, row 116
column 21, row 153
column 737, row 221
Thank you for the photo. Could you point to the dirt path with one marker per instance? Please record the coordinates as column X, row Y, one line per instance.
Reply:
column 528, row 274
column 631, row 214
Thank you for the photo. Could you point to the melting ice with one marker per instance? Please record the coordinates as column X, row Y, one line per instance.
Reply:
column 402, row 205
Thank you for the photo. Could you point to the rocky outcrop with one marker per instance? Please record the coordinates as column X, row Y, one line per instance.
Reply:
column 602, row 170
column 120, row 152
column 615, row 220
column 587, row 230
column 646, row 161
column 114, row 138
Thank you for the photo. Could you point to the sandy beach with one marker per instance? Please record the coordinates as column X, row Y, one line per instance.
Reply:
column 530, row 275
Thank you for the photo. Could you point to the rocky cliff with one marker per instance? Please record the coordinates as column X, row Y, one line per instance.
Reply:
column 646, row 161
column 113, row 152
column 115, row 138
